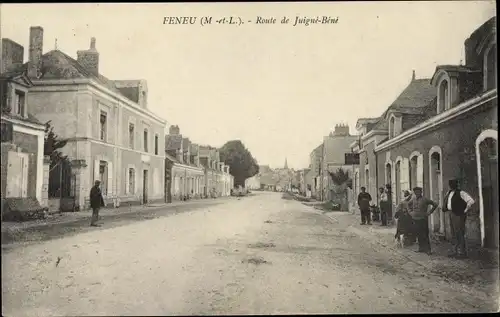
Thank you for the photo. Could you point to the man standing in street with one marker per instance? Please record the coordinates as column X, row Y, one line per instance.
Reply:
column 96, row 202
column 384, row 205
column 419, row 210
column 364, row 199
column 459, row 203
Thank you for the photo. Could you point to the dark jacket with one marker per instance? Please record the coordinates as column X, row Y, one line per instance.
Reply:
column 458, row 205
column 364, row 200
column 96, row 200
column 405, row 221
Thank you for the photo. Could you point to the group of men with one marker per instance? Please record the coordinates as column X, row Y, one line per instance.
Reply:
column 413, row 213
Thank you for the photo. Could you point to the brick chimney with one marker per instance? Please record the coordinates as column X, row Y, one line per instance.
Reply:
column 341, row 130
column 89, row 59
column 12, row 55
column 36, row 51
column 174, row 130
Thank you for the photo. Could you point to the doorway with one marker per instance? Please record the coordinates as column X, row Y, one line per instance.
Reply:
column 145, row 187
column 397, row 177
column 488, row 149
column 436, row 191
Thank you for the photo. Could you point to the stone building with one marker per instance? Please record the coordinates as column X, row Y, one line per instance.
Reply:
column 315, row 162
column 185, row 174
column 112, row 135
column 23, row 168
column 335, row 146
column 443, row 128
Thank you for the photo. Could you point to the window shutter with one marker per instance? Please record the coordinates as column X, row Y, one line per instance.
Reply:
column 420, row 171
column 110, row 179
column 155, row 181
column 24, row 180
column 393, row 177
column 96, row 170
column 127, row 181
column 405, row 177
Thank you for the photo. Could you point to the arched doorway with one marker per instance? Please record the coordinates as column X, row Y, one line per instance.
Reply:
column 487, row 152
column 413, row 171
column 397, row 176
column 388, row 176
column 436, row 188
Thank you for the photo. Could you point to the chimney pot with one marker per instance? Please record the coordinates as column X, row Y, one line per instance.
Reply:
column 413, row 75
column 92, row 43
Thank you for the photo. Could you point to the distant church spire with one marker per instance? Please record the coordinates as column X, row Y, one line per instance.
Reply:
column 286, row 164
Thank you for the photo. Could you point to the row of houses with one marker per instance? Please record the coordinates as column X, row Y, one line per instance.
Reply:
column 437, row 129
column 111, row 135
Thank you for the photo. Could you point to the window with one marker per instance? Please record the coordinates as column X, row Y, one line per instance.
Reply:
column 392, row 121
column 145, row 140
column 103, row 126
column 443, row 97
column 131, row 133
column 156, row 144
column 103, row 177
column 131, row 181
column 19, row 103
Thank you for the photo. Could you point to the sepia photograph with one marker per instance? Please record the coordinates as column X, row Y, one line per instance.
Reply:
column 249, row 158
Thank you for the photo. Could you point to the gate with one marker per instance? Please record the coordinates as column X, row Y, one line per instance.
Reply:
column 61, row 186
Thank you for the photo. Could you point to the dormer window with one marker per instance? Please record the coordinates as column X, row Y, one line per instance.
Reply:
column 19, row 103
column 490, row 68
column 392, row 122
column 443, row 100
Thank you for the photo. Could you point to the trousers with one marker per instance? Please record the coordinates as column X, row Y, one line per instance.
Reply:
column 422, row 233
column 95, row 216
column 365, row 215
column 458, row 229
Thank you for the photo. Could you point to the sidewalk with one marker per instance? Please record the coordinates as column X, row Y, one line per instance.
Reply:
column 71, row 217
column 479, row 269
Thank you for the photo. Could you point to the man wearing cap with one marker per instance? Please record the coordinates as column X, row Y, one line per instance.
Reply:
column 364, row 199
column 96, row 202
column 459, row 203
column 419, row 210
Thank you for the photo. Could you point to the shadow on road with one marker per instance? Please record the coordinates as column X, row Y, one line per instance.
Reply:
column 60, row 230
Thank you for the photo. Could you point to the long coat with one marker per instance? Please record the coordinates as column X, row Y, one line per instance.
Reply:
column 96, row 199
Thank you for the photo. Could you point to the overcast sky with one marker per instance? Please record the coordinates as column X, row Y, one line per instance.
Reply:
column 278, row 88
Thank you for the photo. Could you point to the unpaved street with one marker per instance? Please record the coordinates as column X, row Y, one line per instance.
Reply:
column 256, row 255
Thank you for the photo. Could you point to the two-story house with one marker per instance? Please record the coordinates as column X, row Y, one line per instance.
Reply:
column 111, row 133
column 316, row 161
column 24, row 174
column 335, row 146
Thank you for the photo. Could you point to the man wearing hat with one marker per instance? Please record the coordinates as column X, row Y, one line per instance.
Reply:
column 96, row 202
column 419, row 210
column 459, row 203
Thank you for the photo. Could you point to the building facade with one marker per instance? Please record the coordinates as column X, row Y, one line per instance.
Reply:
column 335, row 146
column 23, row 168
column 112, row 135
column 439, row 129
column 186, row 174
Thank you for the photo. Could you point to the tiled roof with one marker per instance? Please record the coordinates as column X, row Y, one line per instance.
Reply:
column 59, row 65
column 194, row 149
column 414, row 100
column 173, row 142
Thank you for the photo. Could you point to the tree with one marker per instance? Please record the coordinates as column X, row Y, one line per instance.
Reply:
column 52, row 144
column 241, row 162
column 342, row 181
column 340, row 177
column 60, row 167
